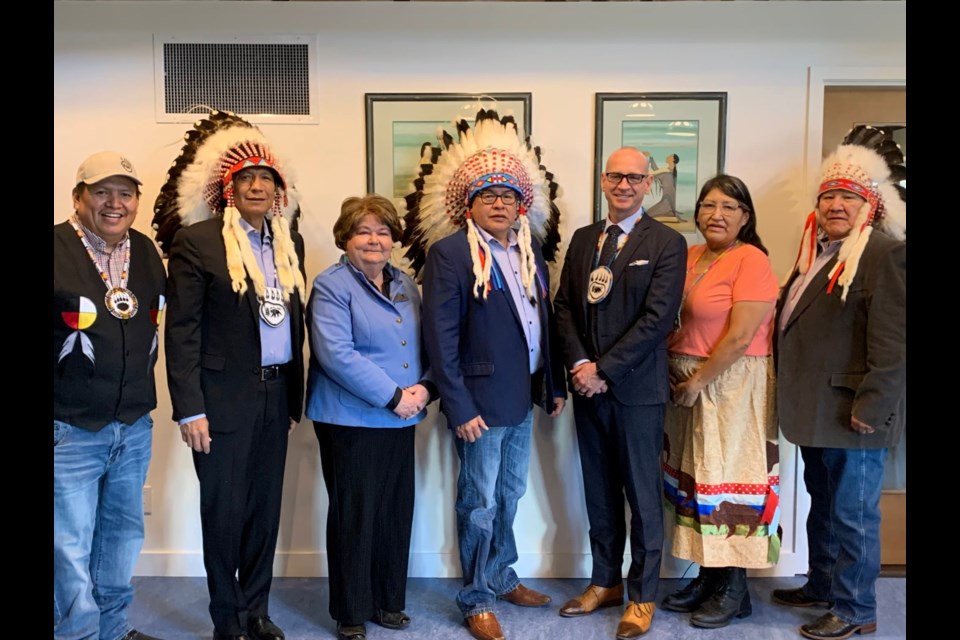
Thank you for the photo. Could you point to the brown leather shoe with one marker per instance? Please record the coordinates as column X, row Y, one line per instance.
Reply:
column 523, row 597
column 484, row 626
column 636, row 620
column 592, row 599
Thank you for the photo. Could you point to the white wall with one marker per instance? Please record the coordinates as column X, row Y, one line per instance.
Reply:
column 760, row 53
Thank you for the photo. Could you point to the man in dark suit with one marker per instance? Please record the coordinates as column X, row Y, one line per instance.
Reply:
column 619, row 294
column 234, row 344
column 841, row 380
column 490, row 341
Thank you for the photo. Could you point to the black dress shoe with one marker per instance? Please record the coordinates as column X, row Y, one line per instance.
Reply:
column 227, row 636
column 133, row 634
column 797, row 598
column 830, row 627
column 351, row 632
column 262, row 628
column 391, row 619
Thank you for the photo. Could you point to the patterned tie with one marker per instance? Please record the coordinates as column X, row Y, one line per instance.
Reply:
column 609, row 250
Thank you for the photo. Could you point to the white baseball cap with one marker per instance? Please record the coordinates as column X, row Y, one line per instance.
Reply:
column 106, row 164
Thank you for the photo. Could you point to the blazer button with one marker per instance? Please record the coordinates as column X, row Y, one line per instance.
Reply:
column 403, row 343
column 406, row 366
column 256, row 370
column 399, row 320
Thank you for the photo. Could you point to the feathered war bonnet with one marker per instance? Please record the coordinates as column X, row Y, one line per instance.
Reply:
column 490, row 154
column 199, row 186
column 869, row 164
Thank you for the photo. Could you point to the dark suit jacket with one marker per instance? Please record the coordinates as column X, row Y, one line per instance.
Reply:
column 213, row 334
column 633, row 321
column 477, row 348
column 835, row 359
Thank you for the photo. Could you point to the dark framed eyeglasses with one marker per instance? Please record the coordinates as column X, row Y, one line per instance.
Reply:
column 489, row 197
column 615, row 177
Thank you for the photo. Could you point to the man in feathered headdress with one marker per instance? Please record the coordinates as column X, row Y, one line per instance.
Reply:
column 841, row 373
column 488, row 327
column 234, row 345
column 618, row 299
column 108, row 297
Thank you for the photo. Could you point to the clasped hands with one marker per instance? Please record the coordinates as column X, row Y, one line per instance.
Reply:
column 585, row 380
column 414, row 399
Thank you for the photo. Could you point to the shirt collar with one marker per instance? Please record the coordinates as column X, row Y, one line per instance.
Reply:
column 826, row 244
column 627, row 224
column 249, row 229
column 96, row 242
column 512, row 241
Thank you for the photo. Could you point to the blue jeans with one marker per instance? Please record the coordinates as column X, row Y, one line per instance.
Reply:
column 493, row 478
column 843, row 529
column 97, row 525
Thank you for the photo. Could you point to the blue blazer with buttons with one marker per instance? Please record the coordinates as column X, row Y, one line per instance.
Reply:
column 363, row 346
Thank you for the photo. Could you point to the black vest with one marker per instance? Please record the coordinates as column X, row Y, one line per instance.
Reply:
column 105, row 373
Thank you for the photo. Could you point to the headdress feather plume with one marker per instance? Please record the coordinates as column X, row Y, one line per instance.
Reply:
column 439, row 205
column 199, row 186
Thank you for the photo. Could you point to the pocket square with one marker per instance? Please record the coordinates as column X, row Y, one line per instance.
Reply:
column 638, row 263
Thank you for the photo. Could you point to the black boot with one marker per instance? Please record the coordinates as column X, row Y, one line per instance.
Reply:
column 732, row 599
column 697, row 591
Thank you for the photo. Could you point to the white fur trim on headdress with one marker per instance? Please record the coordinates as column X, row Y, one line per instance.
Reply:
column 440, row 206
column 857, row 166
column 199, row 182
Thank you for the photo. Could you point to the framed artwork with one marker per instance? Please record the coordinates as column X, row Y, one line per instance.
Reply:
column 682, row 134
column 403, row 127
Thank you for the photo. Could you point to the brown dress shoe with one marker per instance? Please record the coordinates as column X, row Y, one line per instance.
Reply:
column 592, row 599
column 484, row 626
column 636, row 620
column 523, row 597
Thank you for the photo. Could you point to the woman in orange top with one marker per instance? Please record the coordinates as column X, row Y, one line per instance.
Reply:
column 721, row 473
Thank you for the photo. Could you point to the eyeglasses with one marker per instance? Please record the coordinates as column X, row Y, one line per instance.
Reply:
column 489, row 197
column 726, row 208
column 633, row 178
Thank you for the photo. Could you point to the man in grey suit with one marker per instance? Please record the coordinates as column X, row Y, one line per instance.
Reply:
column 841, row 367
column 619, row 293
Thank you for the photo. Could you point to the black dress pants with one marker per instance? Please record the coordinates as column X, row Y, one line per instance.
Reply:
column 369, row 474
column 620, row 455
column 241, row 485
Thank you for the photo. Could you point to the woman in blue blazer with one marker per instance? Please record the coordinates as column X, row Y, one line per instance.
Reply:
column 366, row 390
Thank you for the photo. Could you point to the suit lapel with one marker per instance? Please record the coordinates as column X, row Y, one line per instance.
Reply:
column 585, row 264
column 816, row 288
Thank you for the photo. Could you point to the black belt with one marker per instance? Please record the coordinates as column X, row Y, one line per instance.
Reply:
column 270, row 372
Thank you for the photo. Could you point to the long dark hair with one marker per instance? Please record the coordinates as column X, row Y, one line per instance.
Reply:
column 734, row 187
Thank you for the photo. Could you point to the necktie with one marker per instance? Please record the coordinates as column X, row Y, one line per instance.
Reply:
column 609, row 250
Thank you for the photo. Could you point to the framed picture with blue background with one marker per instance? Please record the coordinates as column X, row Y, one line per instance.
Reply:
column 402, row 130
column 684, row 138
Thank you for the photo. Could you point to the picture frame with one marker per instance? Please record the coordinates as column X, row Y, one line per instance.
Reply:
column 684, row 134
column 399, row 125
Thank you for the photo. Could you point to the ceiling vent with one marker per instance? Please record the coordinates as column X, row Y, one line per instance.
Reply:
column 263, row 79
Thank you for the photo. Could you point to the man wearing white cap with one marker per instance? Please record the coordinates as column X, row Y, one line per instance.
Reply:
column 108, row 297
column 841, row 374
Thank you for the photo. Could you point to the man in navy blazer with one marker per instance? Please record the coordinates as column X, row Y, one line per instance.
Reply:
column 490, row 342
column 619, row 294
